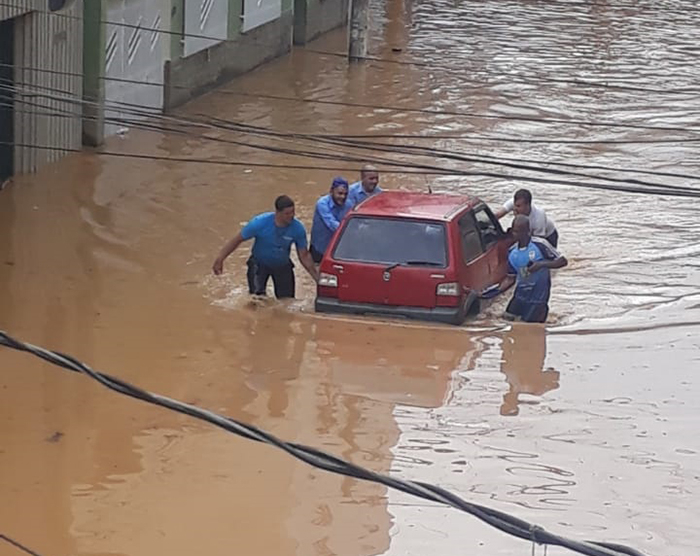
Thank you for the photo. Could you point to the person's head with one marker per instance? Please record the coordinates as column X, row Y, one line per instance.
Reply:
column 369, row 177
column 339, row 190
column 284, row 210
column 521, row 229
column 522, row 202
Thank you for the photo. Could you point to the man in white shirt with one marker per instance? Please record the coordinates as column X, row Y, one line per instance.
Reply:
column 540, row 224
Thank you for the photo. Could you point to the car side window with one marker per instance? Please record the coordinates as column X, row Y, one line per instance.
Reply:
column 487, row 227
column 469, row 238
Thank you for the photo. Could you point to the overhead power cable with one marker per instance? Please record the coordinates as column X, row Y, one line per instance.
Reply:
column 670, row 191
column 18, row 545
column 693, row 131
column 317, row 458
column 518, row 78
column 410, row 110
column 210, row 122
column 512, row 78
column 157, row 30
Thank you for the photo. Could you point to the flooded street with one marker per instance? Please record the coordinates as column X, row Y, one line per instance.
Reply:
column 587, row 427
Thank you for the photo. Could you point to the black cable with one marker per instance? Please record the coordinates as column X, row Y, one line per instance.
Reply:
column 482, row 159
column 519, row 78
column 670, row 191
column 396, row 136
column 355, row 144
column 583, row 123
column 317, row 458
column 18, row 545
column 472, row 115
column 148, row 29
column 512, row 79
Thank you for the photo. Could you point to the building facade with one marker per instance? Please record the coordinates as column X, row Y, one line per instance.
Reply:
column 75, row 71
column 41, row 64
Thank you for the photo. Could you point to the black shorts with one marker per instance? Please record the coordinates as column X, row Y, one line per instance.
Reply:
column 282, row 278
column 315, row 255
column 527, row 312
column 553, row 238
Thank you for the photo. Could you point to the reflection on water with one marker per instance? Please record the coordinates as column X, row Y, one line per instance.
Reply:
column 524, row 351
column 586, row 427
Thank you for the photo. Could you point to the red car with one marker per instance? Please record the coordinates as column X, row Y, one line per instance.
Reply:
column 418, row 255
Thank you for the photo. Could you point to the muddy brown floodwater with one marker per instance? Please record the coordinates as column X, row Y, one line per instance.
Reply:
column 587, row 427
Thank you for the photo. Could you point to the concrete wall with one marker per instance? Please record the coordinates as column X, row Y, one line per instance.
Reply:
column 315, row 17
column 186, row 78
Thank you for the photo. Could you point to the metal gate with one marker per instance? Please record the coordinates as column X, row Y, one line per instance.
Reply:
column 134, row 59
column 7, row 99
column 208, row 18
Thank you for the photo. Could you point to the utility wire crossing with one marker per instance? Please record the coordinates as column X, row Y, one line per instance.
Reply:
column 500, row 520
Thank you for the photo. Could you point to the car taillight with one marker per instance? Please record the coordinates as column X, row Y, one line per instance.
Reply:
column 448, row 288
column 328, row 280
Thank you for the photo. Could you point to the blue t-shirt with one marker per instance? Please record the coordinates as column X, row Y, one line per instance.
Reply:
column 327, row 218
column 356, row 193
column 531, row 287
column 273, row 243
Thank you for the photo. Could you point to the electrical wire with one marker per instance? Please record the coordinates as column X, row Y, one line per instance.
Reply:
column 686, row 130
column 522, row 164
column 669, row 191
column 157, row 30
column 317, row 458
column 518, row 78
column 656, row 188
column 18, row 545
column 409, row 110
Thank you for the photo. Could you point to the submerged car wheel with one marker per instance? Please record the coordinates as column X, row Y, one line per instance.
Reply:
column 470, row 308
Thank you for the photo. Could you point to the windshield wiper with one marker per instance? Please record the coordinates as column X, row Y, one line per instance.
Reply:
column 423, row 263
column 412, row 263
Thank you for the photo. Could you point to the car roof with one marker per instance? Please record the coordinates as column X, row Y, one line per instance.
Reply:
column 409, row 204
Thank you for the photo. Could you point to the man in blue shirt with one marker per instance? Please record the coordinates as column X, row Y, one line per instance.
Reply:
column 529, row 263
column 274, row 233
column 330, row 210
column 366, row 187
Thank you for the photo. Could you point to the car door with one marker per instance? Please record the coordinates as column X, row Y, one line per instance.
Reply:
column 474, row 269
column 494, row 243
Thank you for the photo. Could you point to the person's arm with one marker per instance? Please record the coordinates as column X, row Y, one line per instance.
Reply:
column 552, row 258
column 307, row 262
column 559, row 262
column 507, row 282
column 226, row 250
column 509, row 279
column 326, row 214
column 505, row 209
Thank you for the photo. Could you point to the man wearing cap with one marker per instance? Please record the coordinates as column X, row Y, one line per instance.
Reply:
column 330, row 210
column 274, row 233
column 366, row 187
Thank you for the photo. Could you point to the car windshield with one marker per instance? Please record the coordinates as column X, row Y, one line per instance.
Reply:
column 393, row 241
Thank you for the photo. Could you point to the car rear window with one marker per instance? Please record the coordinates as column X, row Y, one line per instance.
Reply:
column 392, row 241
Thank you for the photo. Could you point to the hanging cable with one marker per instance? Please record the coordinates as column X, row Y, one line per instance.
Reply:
column 513, row 79
column 156, row 30
column 521, row 164
column 693, row 131
column 18, row 545
column 208, row 121
column 670, row 191
column 500, row 520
